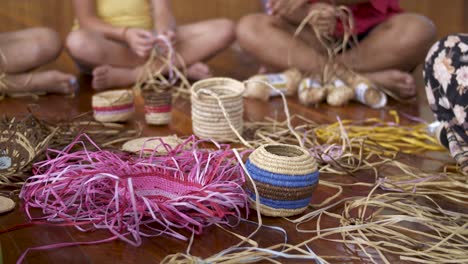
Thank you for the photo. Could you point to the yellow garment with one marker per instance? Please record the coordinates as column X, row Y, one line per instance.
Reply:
column 125, row 13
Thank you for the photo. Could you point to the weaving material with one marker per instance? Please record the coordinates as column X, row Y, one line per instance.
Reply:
column 286, row 82
column 21, row 141
column 285, row 177
column 113, row 106
column 6, row 204
column 158, row 106
column 152, row 145
column 217, row 109
column 134, row 197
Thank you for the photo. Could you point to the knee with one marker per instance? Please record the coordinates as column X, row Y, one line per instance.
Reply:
column 80, row 45
column 250, row 29
column 48, row 43
column 225, row 29
column 419, row 33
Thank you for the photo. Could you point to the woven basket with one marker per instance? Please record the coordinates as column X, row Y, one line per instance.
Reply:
column 152, row 145
column 209, row 120
column 16, row 152
column 113, row 106
column 285, row 176
column 158, row 106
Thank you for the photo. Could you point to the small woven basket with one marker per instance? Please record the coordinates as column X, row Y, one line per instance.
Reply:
column 158, row 106
column 16, row 152
column 285, row 176
column 113, row 106
column 152, row 145
column 209, row 119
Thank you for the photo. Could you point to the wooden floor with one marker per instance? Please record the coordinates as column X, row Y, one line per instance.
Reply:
column 213, row 240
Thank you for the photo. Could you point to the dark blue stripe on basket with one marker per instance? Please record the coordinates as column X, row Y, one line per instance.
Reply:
column 276, row 204
column 282, row 180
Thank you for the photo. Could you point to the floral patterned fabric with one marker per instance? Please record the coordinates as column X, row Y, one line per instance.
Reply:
column 446, row 77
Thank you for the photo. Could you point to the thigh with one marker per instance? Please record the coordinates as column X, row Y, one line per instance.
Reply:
column 28, row 49
column 400, row 43
column 91, row 49
column 201, row 40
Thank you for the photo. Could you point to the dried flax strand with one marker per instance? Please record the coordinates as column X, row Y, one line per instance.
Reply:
column 409, row 225
column 346, row 146
column 158, row 80
column 187, row 189
column 160, row 71
column 335, row 90
column 443, row 185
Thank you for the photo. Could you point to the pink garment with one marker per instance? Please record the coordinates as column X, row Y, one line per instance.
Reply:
column 370, row 14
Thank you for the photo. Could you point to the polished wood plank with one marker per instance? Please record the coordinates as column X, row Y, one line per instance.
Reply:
column 19, row 14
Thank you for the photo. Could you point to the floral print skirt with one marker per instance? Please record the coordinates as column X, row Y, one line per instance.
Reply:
column 446, row 78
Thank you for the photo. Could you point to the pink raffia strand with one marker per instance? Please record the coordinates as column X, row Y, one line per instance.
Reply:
column 132, row 197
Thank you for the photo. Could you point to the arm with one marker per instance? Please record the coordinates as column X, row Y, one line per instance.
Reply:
column 162, row 16
column 164, row 21
column 86, row 14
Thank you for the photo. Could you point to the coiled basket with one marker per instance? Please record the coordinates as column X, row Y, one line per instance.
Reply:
column 217, row 109
column 285, row 177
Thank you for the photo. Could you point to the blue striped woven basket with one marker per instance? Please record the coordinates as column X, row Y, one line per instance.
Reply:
column 285, row 177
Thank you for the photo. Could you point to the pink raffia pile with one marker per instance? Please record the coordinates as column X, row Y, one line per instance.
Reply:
column 188, row 188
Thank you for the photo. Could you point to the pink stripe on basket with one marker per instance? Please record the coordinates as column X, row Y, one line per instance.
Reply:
column 158, row 109
column 113, row 108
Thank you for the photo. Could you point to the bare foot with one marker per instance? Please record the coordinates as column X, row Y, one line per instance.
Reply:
column 42, row 82
column 199, row 71
column 400, row 83
column 106, row 77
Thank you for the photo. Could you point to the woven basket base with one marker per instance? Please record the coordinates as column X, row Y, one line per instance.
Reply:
column 6, row 204
column 110, row 118
column 158, row 118
column 268, row 211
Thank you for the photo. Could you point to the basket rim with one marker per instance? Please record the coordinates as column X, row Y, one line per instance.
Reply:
column 195, row 87
column 113, row 96
column 303, row 151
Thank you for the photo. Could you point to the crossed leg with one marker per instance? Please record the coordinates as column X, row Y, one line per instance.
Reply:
column 25, row 50
column 115, row 65
column 385, row 56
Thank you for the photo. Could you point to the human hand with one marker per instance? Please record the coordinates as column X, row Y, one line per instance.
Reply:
column 166, row 41
column 170, row 35
column 140, row 41
column 324, row 21
column 283, row 8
